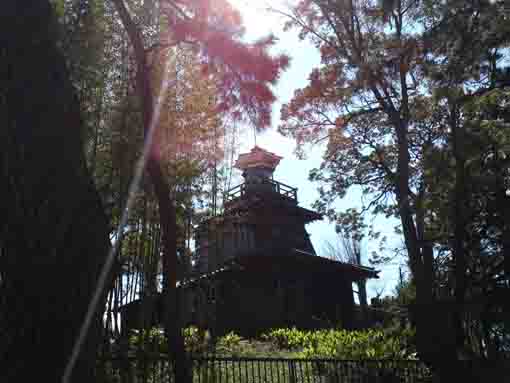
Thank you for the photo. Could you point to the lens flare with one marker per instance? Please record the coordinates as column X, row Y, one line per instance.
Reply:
column 133, row 188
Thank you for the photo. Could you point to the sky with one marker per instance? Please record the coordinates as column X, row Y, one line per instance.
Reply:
column 293, row 171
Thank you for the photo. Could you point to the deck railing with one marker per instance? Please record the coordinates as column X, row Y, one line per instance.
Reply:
column 275, row 186
column 265, row 370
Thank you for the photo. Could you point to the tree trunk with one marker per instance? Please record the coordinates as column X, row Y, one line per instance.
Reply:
column 459, row 222
column 433, row 338
column 167, row 216
column 53, row 234
column 165, row 200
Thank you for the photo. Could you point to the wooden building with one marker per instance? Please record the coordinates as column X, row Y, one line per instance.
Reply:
column 256, row 267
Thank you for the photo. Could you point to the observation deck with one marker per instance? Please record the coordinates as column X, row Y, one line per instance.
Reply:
column 263, row 186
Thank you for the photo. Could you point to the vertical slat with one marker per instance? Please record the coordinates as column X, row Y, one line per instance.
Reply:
column 209, row 369
column 317, row 368
column 159, row 370
column 154, row 369
column 232, row 370
column 217, row 370
column 301, row 375
column 167, row 371
column 197, row 370
column 213, row 371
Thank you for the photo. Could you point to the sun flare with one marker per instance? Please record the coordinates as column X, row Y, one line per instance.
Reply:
column 257, row 19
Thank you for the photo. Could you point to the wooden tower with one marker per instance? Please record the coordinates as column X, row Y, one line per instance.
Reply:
column 257, row 268
column 262, row 217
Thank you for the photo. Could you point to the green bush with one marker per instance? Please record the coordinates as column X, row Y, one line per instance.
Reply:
column 344, row 344
column 286, row 342
column 154, row 340
column 147, row 341
column 229, row 344
column 195, row 339
column 288, row 339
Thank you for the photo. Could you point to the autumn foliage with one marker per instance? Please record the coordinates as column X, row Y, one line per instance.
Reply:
column 406, row 99
column 244, row 72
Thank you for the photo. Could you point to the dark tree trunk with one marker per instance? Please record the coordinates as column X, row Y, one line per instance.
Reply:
column 164, row 197
column 53, row 231
column 434, row 338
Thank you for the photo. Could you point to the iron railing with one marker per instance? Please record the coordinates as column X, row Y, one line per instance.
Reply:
column 265, row 370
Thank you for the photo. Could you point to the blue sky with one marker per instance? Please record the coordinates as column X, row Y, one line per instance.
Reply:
column 292, row 171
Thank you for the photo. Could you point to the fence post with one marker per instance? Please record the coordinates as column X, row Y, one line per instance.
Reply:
column 292, row 371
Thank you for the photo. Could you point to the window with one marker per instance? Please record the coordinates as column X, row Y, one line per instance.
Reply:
column 211, row 294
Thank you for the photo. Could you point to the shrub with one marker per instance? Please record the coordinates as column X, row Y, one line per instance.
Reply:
column 229, row 344
column 195, row 339
column 344, row 344
column 288, row 339
column 154, row 339
column 148, row 340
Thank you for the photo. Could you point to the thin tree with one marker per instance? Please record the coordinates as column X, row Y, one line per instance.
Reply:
column 245, row 74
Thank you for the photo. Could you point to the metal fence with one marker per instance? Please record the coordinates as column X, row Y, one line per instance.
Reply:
column 265, row 370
